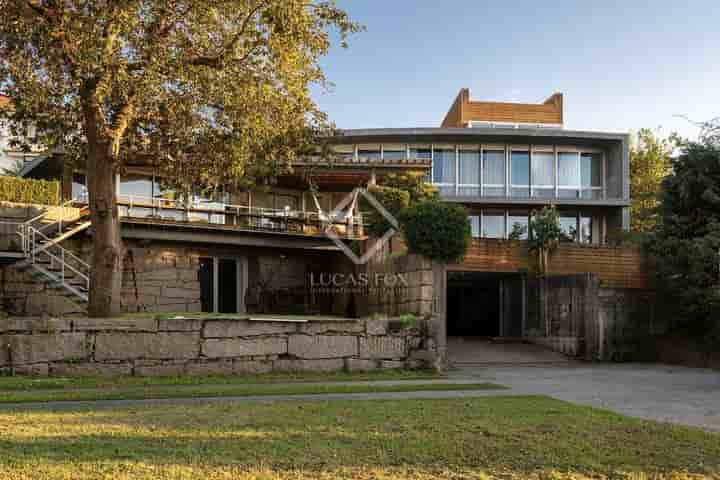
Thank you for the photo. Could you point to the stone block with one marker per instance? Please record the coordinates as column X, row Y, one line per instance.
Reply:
column 239, row 347
column 360, row 365
column 34, row 324
column 302, row 365
column 38, row 348
column 316, row 327
column 188, row 274
column 322, row 346
column 90, row 369
column 245, row 328
column 128, row 346
column 214, row 367
column 391, row 364
column 251, row 367
column 179, row 325
column 145, row 324
column 382, row 347
column 158, row 274
column 181, row 293
column 169, row 308
column 162, row 370
column 376, row 326
column 51, row 304
column 35, row 370
column 194, row 307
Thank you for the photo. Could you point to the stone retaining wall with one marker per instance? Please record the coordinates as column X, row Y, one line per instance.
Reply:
column 200, row 346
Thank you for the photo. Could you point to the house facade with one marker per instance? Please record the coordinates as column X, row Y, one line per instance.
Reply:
column 260, row 249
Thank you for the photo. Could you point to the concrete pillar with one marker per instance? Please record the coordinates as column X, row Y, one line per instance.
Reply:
column 439, row 309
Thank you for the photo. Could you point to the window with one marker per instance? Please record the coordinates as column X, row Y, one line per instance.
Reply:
column 420, row 152
column 444, row 170
column 344, row 152
column 493, row 224
column 139, row 187
column 568, row 174
column 474, row 226
column 569, row 227
column 394, row 152
column 520, row 173
column 493, row 171
column 590, row 226
column 543, row 174
column 519, row 222
column 469, row 175
column 591, row 168
column 369, row 152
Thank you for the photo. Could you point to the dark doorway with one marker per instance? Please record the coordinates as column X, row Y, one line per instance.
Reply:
column 227, row 286
column 206, row 276
column 483, row 304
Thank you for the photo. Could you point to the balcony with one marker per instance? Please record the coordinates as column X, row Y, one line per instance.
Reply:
column 241, row 218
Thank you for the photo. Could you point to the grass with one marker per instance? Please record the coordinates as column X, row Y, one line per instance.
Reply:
column 228, row 390
column 54, row 383
column 507, row 437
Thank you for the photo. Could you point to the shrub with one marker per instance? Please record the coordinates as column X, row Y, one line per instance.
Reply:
column 546, row 233
column 438, row 231
column 25, row 190
column 393, row 199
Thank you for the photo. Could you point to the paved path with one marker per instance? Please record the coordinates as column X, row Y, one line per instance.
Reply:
column 666, row 393
column 689, row 396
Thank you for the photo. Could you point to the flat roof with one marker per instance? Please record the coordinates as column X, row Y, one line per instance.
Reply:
column 468, row 134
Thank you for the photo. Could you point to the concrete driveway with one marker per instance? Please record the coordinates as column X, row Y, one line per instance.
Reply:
column 689, row 396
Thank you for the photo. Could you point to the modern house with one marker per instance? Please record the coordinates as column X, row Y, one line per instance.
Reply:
column 254, row 250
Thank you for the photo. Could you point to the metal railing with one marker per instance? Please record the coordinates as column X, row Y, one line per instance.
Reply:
column 70, row 265
column 241, row 216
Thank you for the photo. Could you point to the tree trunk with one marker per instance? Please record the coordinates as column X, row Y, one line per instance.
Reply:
column 108, row 250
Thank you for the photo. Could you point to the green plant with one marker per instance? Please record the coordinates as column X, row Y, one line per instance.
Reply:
column 438, row 231
column 409, row 320
column 546, row 234
column 26, row 190
column 517, row 232
column 394, row 200
column 414, row 183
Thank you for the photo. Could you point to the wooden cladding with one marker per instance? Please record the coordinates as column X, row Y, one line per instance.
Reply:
column 616, row 267
column 464, row 110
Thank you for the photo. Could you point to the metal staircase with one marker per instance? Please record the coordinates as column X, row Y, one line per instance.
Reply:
column 47, row 260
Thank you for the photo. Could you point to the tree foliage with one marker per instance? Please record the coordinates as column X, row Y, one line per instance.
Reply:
column 686, row 248
column 213, row 92
column 649, row 164
column 394, row 200
column 436, row 230
column 414, row 183
column 545, row 235
column 27, row 190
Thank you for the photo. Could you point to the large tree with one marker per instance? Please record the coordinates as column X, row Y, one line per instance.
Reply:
column 649, row 164
column 686, row 246
column 215, row 92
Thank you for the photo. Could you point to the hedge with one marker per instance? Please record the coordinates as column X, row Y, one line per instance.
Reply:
column 25, row 190
column 435, row 230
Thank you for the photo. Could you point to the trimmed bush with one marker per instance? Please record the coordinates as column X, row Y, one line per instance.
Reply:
column 25, row 190
column 438, row 231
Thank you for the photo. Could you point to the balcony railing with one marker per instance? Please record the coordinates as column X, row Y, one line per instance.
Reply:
column 236, row 217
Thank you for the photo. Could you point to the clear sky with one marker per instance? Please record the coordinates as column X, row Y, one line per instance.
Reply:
column 622, row 65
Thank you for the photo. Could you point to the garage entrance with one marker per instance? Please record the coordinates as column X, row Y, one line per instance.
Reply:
column 485, row 305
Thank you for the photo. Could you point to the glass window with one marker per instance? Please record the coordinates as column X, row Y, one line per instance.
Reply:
column 79, row 190
column 420, row 152
column 493, row 224
column 474, row 225
column 586, row 229
column 444, row 165
column 394, row 152
column 469, row 161
column 520, row 174
column 569, row 174
column 591, row 170
column 345, row 152
column 519, row 225
column 369, row 152
column 140, row 187
column 493, row 173
column 543, row 174
column 568, row 226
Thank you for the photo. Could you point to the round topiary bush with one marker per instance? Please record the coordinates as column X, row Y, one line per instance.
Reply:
column 438, row 231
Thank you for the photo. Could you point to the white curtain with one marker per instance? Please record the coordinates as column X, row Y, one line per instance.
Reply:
column 569, row 169
column 543, row 169
column 469, row 168
column 494, row 167
column 444, row 166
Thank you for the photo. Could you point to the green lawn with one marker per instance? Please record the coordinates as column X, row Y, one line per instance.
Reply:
column 227, row 390
column 507, row 437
